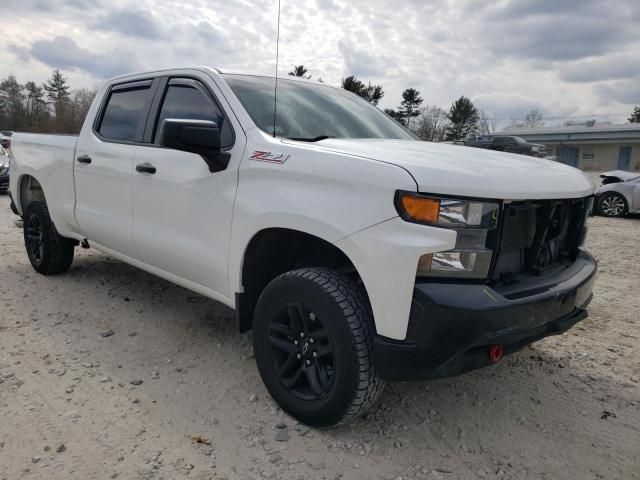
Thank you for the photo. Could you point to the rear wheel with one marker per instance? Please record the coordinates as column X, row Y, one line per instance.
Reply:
column 48, row 252
column 612, row 204
column 313, row 340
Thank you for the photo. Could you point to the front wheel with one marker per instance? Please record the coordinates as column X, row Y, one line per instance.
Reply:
column 313, row 340
column 48, row 252
column 612, row 204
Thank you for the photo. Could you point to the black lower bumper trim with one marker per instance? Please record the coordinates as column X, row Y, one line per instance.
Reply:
column 452, row 326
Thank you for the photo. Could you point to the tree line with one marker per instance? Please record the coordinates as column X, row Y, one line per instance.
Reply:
column 51, row 107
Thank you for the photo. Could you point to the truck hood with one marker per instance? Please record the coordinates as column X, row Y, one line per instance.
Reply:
column 472, row 172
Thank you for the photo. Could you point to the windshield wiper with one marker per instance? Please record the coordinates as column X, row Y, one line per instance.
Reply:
column 311, row 139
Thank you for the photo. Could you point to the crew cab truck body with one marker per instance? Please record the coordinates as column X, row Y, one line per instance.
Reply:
column 355, row 253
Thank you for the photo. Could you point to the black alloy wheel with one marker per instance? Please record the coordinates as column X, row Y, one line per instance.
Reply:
column 302, row 351
column 34, row 239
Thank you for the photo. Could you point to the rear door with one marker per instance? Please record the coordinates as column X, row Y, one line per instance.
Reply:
column 182, row 211
column 104, row 164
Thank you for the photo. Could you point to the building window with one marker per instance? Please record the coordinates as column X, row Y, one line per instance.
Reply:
column 588, row 154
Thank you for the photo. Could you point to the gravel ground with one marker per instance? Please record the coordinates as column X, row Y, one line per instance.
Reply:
column 109, row 372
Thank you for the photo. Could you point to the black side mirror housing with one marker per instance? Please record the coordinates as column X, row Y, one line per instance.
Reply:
column 196, row 136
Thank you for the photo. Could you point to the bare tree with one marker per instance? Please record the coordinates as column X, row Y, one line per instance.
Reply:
column 81, row 100
column 37, row 111
column 486, row 124
column 12, row 93
column 431, row 124
column 533, row 119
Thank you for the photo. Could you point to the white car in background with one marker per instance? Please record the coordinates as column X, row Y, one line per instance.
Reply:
column 619, row 193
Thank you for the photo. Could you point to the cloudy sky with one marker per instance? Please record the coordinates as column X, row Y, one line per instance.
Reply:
column 568, row 58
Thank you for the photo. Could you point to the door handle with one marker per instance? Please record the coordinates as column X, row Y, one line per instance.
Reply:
column 84, row 159
column 145, row 168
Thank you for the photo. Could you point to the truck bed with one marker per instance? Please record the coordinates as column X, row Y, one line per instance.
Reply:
column 50, row 158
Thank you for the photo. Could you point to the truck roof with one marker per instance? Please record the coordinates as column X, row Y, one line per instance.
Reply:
column 218, row 70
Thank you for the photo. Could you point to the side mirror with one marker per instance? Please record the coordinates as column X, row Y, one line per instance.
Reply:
column 195, row 136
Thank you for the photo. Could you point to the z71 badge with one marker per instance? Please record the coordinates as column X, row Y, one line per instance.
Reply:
column 270, row 157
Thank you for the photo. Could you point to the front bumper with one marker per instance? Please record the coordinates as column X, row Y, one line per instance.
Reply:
column 452, row 325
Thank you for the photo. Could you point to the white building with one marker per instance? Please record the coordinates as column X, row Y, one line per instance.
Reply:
column 601, row 147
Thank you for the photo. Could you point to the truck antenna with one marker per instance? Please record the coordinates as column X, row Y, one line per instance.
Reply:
column 275, row 88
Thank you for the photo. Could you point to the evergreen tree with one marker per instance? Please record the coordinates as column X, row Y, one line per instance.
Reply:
column 58, row 94
column 371, row 93
column 299, row 71
column 635, row 116
column 409, row 106
column 397, row 116
column 352, row 84
column 374, row 93
column 464, row 117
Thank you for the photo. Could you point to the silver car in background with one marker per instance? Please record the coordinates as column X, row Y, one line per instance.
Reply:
column 4, row 170
column 619, row 193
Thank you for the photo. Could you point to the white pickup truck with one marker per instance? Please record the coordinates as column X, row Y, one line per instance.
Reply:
column 354, row 252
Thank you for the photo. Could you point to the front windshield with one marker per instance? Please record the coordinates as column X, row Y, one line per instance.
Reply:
column 310, row 111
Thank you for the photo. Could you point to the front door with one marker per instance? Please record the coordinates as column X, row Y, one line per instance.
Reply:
column 624, row 158
column 182, row 211
column 104, row 163
column 568, row 155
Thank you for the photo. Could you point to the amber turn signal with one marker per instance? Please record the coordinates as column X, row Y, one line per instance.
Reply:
column 420, row 209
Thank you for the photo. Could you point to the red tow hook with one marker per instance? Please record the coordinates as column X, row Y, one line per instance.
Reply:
column 495, row 353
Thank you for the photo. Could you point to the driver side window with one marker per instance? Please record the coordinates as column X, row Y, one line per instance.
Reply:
column 189, row 100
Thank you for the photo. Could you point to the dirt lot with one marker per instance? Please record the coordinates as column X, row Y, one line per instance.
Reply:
column 74, row 349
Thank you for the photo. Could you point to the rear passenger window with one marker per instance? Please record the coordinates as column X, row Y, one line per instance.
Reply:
column 183, row 101
column 123, row 113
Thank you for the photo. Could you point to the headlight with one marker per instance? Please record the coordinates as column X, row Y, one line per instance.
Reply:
column 471, row 219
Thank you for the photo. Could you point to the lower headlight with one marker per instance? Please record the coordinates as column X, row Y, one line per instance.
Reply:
column 452, row 263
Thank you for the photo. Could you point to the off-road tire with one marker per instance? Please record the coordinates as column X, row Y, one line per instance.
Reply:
column 344, row 311
column 56, row 252
column 607, row 210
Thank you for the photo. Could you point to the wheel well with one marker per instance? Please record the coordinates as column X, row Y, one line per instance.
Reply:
column 30, row 191
column 274, row 251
